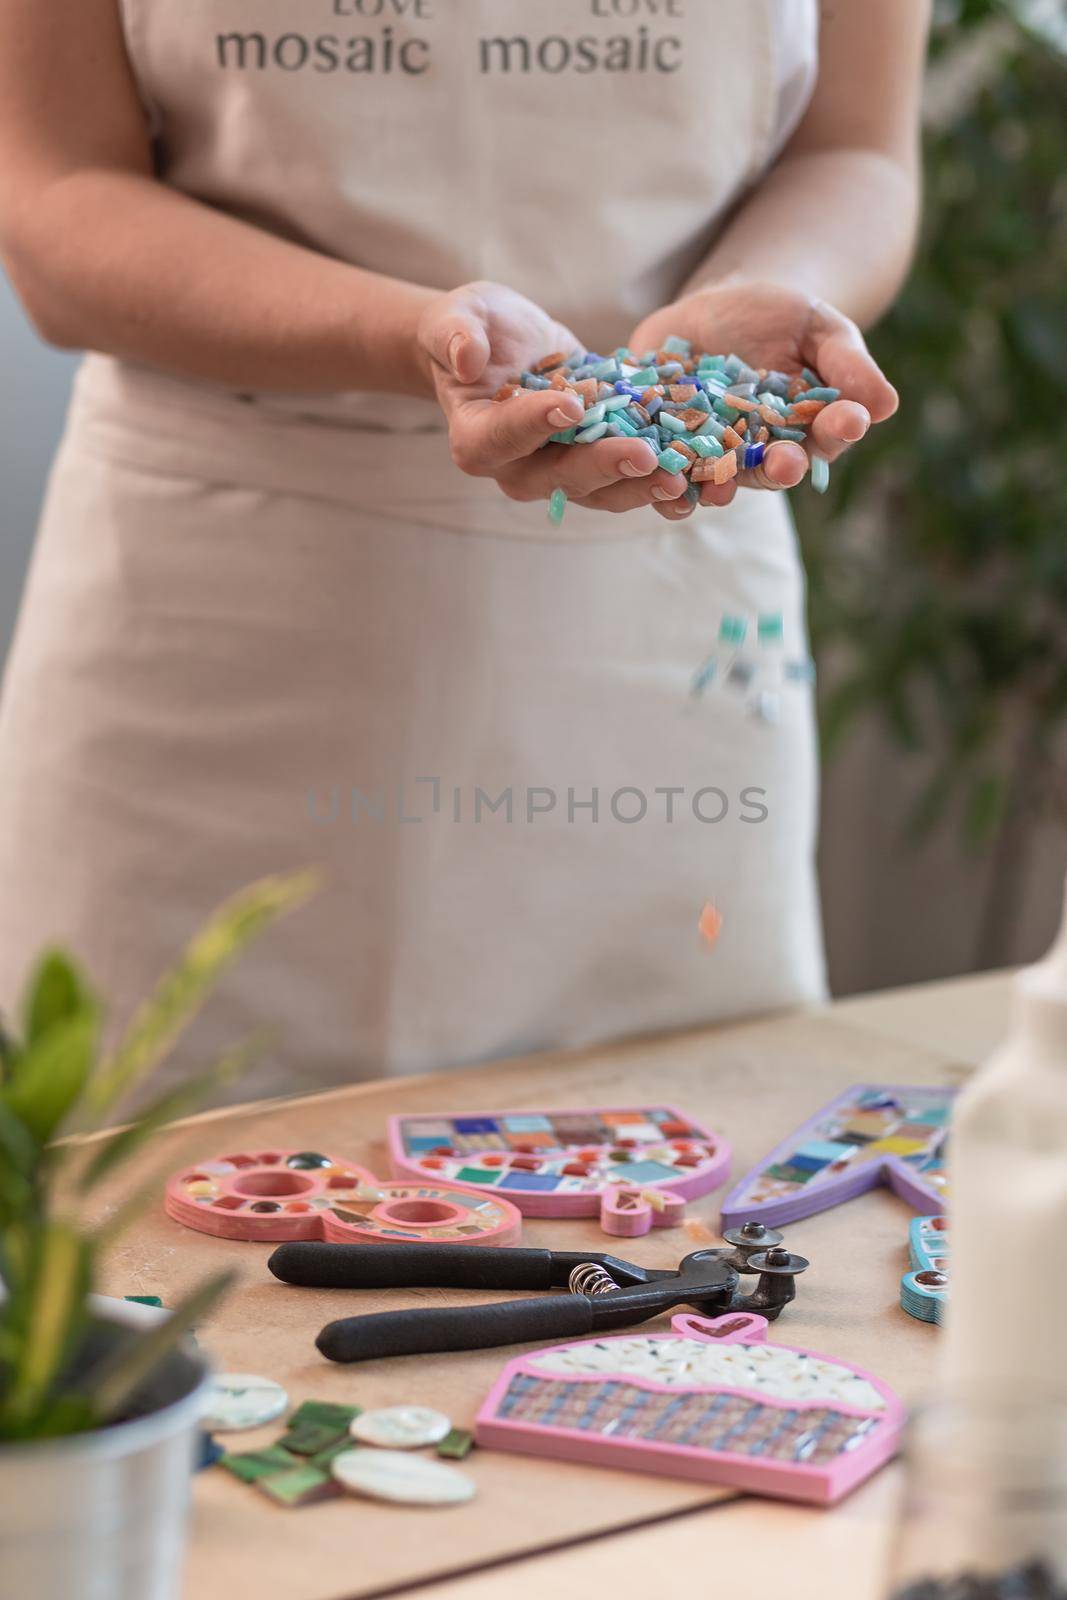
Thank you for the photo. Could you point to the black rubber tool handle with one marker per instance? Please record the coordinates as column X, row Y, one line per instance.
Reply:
column 425, row 1266
column 413, row 1333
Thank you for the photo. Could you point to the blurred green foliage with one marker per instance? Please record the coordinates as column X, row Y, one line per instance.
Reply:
column 939, row 567
column 54, row 1081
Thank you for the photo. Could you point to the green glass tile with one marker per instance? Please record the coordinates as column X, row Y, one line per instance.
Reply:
column 311, row 1437
column 249, row 1465
column 705, row 444
column 300, row 1486
column 455, row 1445
column 789, row 1174
column 324, row 1457
column 326, row 1413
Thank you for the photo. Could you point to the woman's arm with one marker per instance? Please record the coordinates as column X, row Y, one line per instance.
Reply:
column 835, row 218
column 822, row 246
column 105, row 257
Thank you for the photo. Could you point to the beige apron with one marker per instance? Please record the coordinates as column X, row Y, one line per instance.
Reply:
column 261, row 632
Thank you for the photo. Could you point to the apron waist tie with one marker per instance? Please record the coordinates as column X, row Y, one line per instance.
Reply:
column 180, row 429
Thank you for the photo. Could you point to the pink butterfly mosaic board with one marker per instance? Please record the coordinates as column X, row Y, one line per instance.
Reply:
column 559, row 1163
column 713, row 1400
column 276, row 1195
column 872, row 1134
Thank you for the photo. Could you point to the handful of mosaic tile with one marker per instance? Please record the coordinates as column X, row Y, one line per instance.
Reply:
column 707, row 416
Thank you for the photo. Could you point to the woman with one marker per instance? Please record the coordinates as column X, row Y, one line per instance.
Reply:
column 280, row 610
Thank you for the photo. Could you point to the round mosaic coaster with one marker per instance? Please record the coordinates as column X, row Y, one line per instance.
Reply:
column 401, row 1427
column 406, row 1480
column 239, row 1400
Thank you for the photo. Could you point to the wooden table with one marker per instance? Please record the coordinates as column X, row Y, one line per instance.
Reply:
column 539, row 1527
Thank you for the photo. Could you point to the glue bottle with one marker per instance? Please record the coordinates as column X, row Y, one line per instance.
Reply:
column 1007, row 1303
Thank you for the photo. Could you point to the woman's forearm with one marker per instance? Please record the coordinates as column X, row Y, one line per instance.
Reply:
column 838, row 225
column 835, row 218
column 114, row 261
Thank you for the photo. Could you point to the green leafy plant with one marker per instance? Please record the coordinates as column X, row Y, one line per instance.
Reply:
column 939, row 578
column 54, row 1081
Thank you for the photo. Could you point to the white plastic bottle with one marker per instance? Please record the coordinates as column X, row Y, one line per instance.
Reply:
column 1007, row 1325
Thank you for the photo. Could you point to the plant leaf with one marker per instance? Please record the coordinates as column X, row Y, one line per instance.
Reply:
column 182, row 991
column 174, row 1103
column 19, row 1169
column 56, row 992
column 115, row 1381
column 16, row 1263
column 66, row 1414
column 51, row 1314
column 52, row 1075
column 9, row 1053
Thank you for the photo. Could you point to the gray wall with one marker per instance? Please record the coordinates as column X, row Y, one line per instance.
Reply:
column 34, row 382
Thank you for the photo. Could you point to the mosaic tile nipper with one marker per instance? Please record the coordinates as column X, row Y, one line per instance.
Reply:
column 603, row 1291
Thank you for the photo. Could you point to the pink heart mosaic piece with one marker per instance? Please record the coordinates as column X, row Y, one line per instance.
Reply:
column 628, row 1213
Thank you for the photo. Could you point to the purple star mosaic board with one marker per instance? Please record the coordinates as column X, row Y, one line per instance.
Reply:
column 872, row 1134
column 560, row 1163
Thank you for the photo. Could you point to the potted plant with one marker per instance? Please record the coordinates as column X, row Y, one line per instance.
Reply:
column 98, row 1414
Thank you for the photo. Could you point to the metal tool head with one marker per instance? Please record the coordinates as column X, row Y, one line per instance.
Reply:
column 778, row 1263
column 752, row 1236
column 707, row 1266
column 748, row 1241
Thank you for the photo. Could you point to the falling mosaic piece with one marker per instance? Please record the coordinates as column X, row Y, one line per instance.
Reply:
column 872, row 1134
column 767, row 707
column 924, row 1290
column 713, row 1400
column 277, row 1195
column 800, row 671
column 559, row 1163
column 703, row 676
column 732, row 630
column 741, row 673
column 764, row 671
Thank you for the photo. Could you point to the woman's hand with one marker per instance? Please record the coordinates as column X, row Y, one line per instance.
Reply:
column 774, row 327
column 478, row 338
